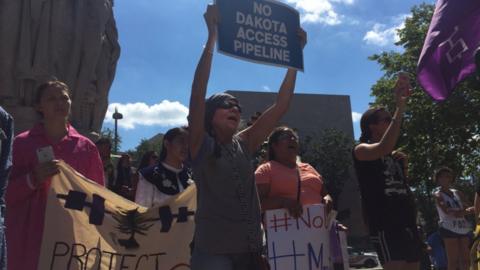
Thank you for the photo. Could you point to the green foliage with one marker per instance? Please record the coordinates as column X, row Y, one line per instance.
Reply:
column 330, row 152
column 109, row 133
column 143, row 147
column 433, row 134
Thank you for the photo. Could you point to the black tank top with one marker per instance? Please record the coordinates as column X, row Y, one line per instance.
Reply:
column 387, row 201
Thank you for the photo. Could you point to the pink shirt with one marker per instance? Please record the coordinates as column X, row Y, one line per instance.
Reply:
column 25, row 205
column 283, row 181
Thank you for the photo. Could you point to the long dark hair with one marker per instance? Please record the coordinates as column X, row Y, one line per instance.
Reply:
column 369, row 117
column 145, row 161
column 123, row 173
column 170, row 136
column 273, row 138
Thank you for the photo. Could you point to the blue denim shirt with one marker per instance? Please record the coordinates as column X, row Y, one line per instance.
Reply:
column 6, row 138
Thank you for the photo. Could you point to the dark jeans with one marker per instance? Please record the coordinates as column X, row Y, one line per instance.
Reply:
column 204, row 261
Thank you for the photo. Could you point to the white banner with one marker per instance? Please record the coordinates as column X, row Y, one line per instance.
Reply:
column 90, row 227
column 298, row 244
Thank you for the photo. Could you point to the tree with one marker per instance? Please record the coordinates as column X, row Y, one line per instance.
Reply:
column 330, row 152
column 434, row 134
column 109, row 133
column 145, row 145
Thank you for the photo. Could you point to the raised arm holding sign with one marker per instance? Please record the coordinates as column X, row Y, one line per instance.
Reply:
column 228, row 233
column 266, row 121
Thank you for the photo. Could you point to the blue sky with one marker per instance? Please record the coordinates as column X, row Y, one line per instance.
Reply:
column 162, row 40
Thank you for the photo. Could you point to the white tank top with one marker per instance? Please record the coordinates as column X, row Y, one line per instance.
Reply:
column 449, row 222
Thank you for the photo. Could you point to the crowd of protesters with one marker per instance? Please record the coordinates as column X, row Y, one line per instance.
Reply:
column 234, row 187
column 389, row 206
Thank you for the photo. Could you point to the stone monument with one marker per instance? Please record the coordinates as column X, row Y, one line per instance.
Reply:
column 75, row 41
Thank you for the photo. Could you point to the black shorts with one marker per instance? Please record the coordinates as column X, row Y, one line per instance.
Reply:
column 397, row 245
column 444, row 233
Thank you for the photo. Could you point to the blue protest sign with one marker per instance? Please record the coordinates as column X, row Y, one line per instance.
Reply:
column 263, row 31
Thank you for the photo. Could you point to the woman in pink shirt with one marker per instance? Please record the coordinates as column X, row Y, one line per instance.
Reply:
column 278, row 180
column 30, row 179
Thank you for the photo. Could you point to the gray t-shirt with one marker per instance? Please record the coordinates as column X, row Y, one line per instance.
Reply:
column 228, row 209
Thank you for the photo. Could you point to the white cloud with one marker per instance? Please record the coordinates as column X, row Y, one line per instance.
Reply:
column 165, row 113
column 348, row 2
column 356, row 117
column 266, row 88
column 382, row 35
column 319, row 11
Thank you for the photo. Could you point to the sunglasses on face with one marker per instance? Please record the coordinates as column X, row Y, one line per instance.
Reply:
column 288, row 136
column 228, row 104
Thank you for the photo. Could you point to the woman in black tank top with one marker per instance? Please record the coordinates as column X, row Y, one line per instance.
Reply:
column 387, row 201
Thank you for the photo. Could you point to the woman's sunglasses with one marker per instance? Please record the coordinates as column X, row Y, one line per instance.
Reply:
column 287, row 136
column 228, row 104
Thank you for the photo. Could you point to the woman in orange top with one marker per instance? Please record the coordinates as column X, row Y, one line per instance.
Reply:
column 277, row 179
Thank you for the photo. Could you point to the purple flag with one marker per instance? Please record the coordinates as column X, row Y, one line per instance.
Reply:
column 448, row 52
